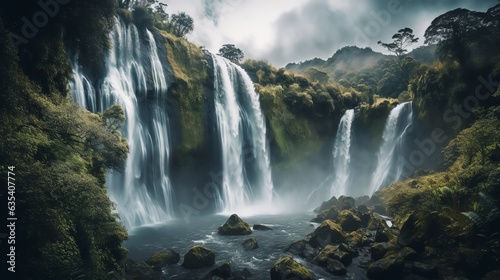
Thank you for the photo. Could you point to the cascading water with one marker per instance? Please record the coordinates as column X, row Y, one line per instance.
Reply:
column 135, row 79
column 341, row 155
column 389, row 165
column 246, row 175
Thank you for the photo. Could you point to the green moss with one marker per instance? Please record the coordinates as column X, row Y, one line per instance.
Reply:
column 190, row 70
column 294, row 267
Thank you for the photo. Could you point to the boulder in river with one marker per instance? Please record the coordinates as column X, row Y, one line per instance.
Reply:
column 288, row 268
column 198, row 257
column 327, row 233
column 261, row 227
column 235, row 226
column 302, row 249
column 349, row 221
column 162, row 258
column 250, row 244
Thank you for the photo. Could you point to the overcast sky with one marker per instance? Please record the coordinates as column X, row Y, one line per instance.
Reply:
column 283, row 31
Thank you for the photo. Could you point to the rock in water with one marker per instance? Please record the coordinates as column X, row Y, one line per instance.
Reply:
column 235, row 226
column 250, row 244
column 327, row 233
column 198, row 257
column 288, row 268
column 261, row 227
column 335, row 267
column 162, row 258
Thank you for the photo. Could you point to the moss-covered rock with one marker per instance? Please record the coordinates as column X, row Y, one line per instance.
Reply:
column 335, row 267
column 288, row 268
column 425, row 270
column 235, row 226
column 379, row 250
column 261, row 227
column 333, row 252
column 162, row 258
column 329, row 214
column 348, row 220
column 327, row 233
column 198, row 257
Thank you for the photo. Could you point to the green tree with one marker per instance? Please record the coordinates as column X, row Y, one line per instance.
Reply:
column 181, row 24
column 456, row 30
column 231, row 52
column 401, row 40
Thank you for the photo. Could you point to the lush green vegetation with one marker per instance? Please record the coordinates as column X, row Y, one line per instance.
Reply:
column 66, row 228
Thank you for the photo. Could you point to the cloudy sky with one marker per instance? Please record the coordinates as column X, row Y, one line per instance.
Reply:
column 283, row 31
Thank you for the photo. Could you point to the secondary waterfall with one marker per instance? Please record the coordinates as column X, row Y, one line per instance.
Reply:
column 135, row 79
column 246, row 175
column 341, row 156
column 389, row 164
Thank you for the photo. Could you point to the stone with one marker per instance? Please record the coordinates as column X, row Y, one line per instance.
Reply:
column 380, row 209
column 330, row 214
column 346, row 203
column 335, row 253
column 198, row 257
column 424, row 270
column 163, row 258
column 235, row 226
column 379, row 250
column 141, row 270
column 223, row 271
column 349, row 221
column 408, row 254
column 241, row 274
column 288, row 268
column 335, row 267
column 354, row 239
column 302, row 249
column 386, row 268
column 492, row 275
column 383, row 235
column 410, row 236
column 261, row 227
column 326, row 205
column 327, row 233
column 250, row 244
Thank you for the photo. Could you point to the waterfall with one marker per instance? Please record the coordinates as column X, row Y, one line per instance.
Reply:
column 135, row 79
column 246, row 175
column 341, row 155
column 389, row 164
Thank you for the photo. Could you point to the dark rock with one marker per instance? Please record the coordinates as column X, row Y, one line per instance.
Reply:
column 349, row 221
column 330, row 214
column 235, row 226
column 492, row 275
column 326, row 205
column 223, row 271
column 473, row 262
column 362, row 200
column 140, row 270
column 386, row 268
column 250, row 244
column 383, row 235
column 302, row 249
column 288, row 268
column 335, row 253
column 379, row 250
column 410, row 234
column 261, row 227
column 327, row 233
column 380, row 209
column 408, row 254
column 346, row 203
column 163, row 258
column 374, row 200
column 241, row 274
column 198, row 257
column 424, row 270
column 335, row 267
